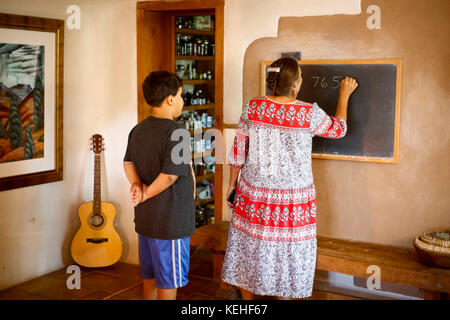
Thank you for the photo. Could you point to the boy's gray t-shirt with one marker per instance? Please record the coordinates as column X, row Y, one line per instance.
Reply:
column 171, row 213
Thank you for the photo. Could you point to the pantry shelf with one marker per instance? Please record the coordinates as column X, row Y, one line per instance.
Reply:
column 198, row 81
column 199, row 107
column 204, row 177
column 194, row 57
column 195, row 32
column 192, row 132
column 202, row 202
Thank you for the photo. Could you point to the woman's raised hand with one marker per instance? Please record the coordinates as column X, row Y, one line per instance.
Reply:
column 348, row 85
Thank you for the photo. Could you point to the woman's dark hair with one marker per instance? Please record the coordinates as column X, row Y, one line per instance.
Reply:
column 280, row 82
column 158, row 85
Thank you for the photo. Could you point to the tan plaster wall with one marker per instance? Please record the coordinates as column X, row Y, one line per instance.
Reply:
column 382, row 203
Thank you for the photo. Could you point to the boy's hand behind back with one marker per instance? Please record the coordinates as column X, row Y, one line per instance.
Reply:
column 136, row 193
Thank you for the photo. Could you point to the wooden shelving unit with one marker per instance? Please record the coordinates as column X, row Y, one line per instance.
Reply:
column 203, row 202
column 198, row 82
column 198, row 58
column 156, row 50
column 203, row 63
column 195, row 32
column 199, row 107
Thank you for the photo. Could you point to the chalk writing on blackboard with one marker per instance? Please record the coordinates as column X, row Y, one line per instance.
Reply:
column 324, row 84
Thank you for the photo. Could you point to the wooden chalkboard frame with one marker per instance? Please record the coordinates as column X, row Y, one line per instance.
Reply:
column 397, row 63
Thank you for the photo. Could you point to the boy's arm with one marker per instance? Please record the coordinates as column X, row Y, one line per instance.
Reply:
column 193, row 177
column 135, row 181
column 161, row 183
column 130, row 172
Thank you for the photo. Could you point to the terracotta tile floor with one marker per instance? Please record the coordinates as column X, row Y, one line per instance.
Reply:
column 122, row 281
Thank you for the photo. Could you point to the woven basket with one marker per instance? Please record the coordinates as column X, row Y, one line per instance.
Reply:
column 437, row 238
column 435, row 255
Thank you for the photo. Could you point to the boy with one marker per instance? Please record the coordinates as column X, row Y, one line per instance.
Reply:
column 163, row 192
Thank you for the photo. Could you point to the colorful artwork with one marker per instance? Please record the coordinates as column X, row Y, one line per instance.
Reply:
column 21, row 102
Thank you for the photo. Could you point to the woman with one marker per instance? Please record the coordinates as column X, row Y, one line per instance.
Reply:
column 272, row 239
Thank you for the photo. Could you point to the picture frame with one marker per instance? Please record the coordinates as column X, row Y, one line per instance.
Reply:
column 38, row 154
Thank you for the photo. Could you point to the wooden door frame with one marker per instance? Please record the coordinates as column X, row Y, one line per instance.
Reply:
column 218, row 7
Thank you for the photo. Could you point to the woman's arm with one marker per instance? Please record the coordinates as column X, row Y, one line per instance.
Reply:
column 234, row 173
column 348, row 85
column 195, row 182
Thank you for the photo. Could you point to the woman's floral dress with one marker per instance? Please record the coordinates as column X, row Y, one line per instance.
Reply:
column 272, row 239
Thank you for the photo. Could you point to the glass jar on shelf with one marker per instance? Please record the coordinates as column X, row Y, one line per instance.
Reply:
column 190, row 22
column 200, row 97
column 204, row 117
column 209, row 213
column 198, row 47
column 194, row 72
column 179, row 23
column 189, row 48
column 205, row 47
column 178, row 45
column 199, row 217
column 194, row 99
column 188, row 73
column 209, row 121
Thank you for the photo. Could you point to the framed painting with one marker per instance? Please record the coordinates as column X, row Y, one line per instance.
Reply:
column 31, row 100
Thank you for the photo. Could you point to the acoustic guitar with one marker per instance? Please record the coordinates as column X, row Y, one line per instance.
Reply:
column 97, row 243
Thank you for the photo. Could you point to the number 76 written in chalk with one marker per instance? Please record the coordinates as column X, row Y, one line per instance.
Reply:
column 324, row 84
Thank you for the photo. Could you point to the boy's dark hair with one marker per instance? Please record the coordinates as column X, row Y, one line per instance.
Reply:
column 280, row 83
column 158, row 85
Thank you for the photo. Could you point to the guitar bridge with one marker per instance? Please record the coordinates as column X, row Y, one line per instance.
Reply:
column 97, row 240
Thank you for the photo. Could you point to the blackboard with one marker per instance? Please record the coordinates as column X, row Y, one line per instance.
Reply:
column 374, row 107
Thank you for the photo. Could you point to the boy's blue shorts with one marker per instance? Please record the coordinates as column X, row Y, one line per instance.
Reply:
column 166, row 261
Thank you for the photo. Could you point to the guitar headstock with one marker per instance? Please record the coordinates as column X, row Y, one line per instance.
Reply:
column 97, row 143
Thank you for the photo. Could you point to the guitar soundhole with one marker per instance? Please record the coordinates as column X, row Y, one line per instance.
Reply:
column 96, row 220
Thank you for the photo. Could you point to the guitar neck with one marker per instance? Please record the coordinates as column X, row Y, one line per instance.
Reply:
column 97, row 184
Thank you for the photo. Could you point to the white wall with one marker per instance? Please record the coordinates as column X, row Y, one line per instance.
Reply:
column 100, row 96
